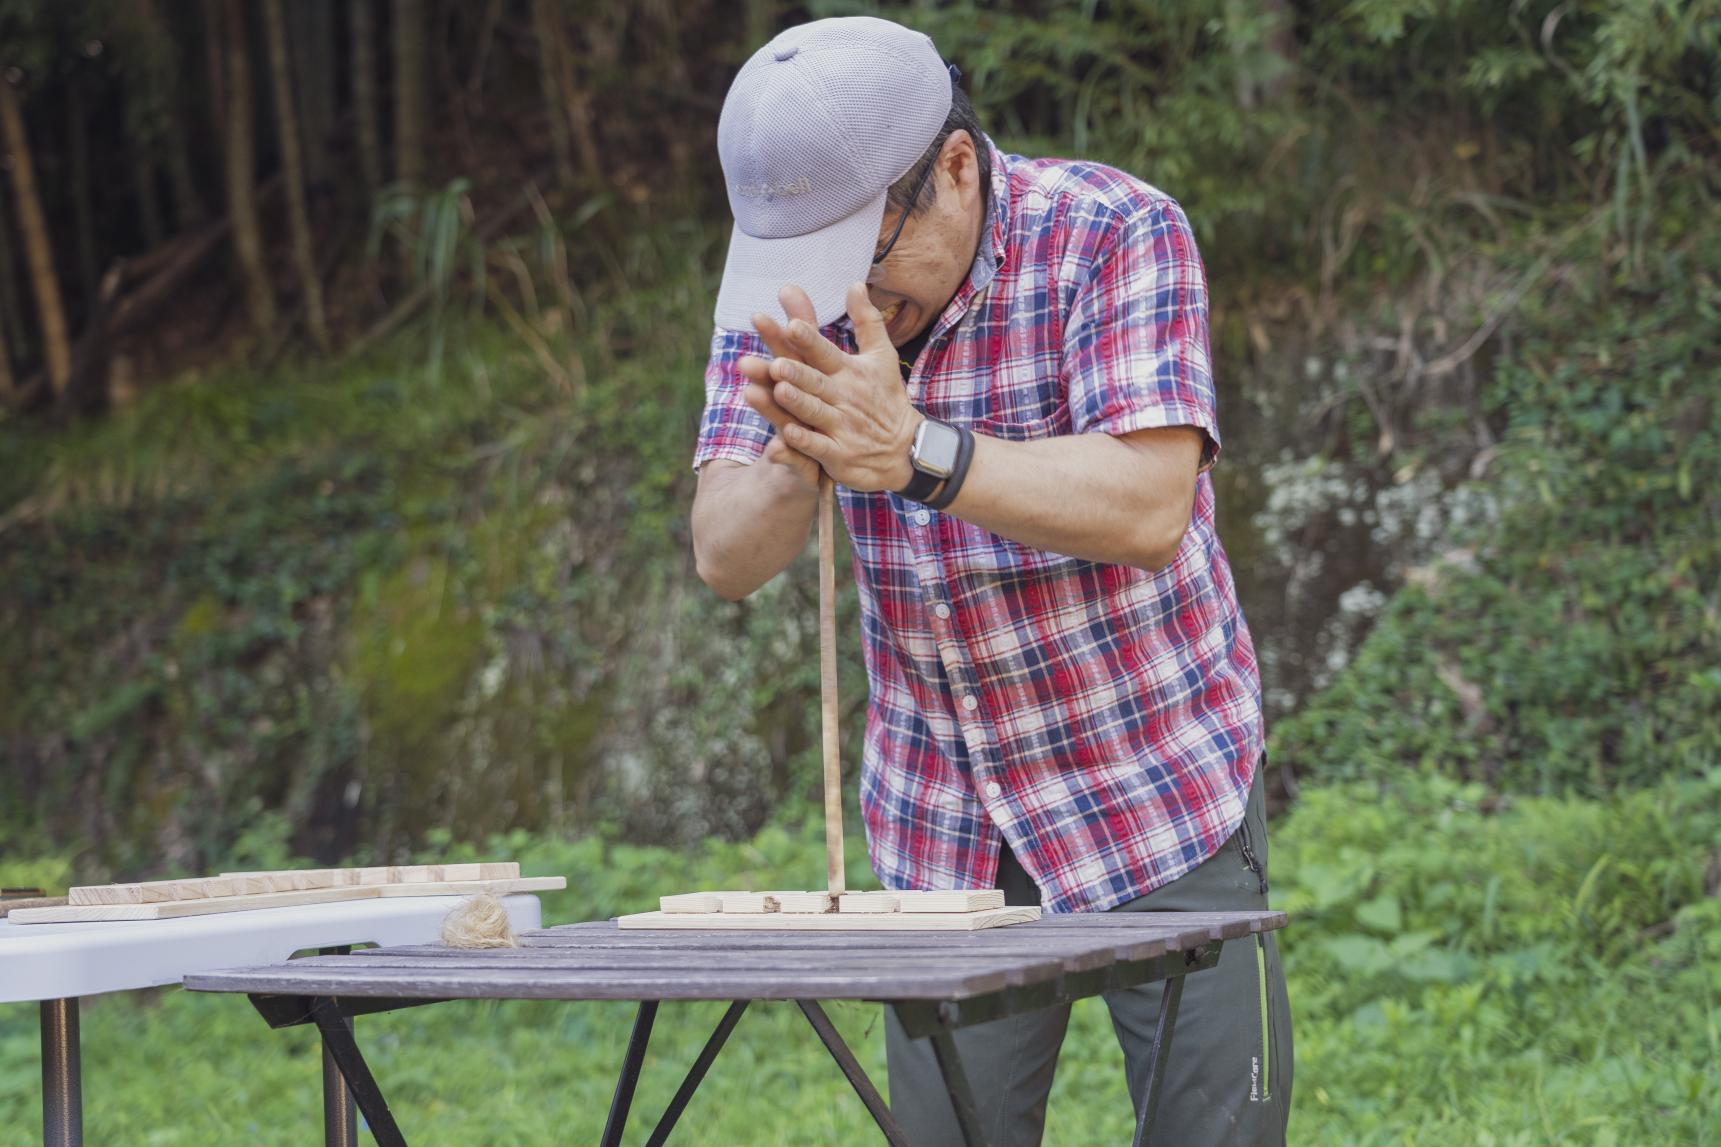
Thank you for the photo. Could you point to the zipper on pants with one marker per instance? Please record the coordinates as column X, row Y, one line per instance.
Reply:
column 1249, row 859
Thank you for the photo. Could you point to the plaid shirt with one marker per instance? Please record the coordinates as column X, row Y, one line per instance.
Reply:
column 1104, row 720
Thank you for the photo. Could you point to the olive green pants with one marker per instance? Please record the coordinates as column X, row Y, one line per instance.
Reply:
column 1228, row 1078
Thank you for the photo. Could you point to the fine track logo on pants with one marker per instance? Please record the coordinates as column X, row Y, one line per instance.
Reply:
column 1254, row 1079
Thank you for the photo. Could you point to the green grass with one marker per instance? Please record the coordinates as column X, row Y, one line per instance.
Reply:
column 1544, row 972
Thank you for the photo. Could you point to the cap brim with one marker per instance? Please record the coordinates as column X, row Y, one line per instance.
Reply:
column 823, row 263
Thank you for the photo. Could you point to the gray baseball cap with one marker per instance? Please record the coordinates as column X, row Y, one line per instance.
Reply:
column 816, row 127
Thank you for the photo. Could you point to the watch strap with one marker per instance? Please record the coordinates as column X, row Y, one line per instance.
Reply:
column 920, row 487
column 953, row 484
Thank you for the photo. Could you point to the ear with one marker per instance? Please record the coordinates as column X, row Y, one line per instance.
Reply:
column 959, row 169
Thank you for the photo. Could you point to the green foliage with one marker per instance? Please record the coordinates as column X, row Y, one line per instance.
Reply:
column 1467, row 971
column 1461, row 973
column 1571, row 640
column 428, row 595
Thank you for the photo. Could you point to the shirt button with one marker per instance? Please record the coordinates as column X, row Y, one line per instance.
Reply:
column 941, row 611
column 994, row 789
column 921, row 517
column 971, row 702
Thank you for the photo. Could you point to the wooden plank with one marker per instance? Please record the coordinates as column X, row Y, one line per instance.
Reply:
column 806, row 902
column 451, row 877
column 290, row 880
column 881, row 982
column 951, row 900
column 836, row 921
column 473, row 887
column 171, row 909
column 1016, row 967
column 750, row 901
column 16, row 902
column 287, row 880
column 153, row 891
column 868, row 902
column 694, row 902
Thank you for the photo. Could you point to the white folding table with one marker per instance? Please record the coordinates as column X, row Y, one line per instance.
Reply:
column 56, row 964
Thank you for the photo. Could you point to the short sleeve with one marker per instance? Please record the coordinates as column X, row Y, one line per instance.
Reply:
column 1135, row 342
column 729, row 427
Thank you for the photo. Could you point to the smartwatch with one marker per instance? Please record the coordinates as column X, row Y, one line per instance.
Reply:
column 933, row 458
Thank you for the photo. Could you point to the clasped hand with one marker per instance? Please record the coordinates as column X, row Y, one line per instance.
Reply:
column 846, row 413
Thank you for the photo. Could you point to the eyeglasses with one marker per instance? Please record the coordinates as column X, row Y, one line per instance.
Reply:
column 907, row 210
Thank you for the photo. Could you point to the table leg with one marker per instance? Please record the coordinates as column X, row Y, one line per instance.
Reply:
column 340, row 1116
column 62, row 1075
column 1157, row 1056
column 696, row 1074
column 956, row 1082
column 630, row 1065
column 338, row 1041
column 852, row 1070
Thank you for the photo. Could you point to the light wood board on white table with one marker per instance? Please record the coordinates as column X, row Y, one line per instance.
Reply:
column 171, row 909
column 288, row 880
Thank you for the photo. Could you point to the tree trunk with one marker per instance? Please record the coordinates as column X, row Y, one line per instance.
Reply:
column 410, row 93
column 171, row 87
column 38, row 244
column 11, row 312
column 10, row 324
column 545, row 15
column 363, row 31
column 188, row 209
column 83, row 216
column 7, row 383
column 578, row 105
column 214, row 46
column 312, row 53
column 241, row 171
column 293, row 171
column 760, row 22
column 148, row 199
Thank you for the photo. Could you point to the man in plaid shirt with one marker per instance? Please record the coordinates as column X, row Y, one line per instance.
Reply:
column 1003, row 363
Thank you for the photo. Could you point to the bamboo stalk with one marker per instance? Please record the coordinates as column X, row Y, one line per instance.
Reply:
column 828, row 686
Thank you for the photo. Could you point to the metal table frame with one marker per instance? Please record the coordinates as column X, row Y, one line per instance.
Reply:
column 56, row 965
column 344, row 1062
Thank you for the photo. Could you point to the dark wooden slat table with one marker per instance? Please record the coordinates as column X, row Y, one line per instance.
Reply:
column 936, row 981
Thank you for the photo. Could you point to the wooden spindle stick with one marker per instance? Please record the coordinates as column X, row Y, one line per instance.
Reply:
column 828, row 686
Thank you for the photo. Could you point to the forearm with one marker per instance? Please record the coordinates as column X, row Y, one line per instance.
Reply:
column 749, row 523
column 1089, row 496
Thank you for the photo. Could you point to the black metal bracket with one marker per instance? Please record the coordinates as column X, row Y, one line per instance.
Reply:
column 291, row 1011
column 961, row 1095
column 339, row 1042
column 928, row 1017
column 622, row 1100
column 696, row 1074
column 1157, row 1056
column 854, row 1073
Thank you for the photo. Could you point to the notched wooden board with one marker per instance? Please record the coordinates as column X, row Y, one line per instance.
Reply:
column 956, row 900
column 170, row 909
column 208, row 905
column 473, row 887
column 230, row 884
column 835, row 921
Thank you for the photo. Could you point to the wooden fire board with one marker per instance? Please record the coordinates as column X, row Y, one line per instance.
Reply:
column 834, row 921
column 957, row 910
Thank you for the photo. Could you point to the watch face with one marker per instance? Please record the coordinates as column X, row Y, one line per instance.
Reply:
column 935, row 447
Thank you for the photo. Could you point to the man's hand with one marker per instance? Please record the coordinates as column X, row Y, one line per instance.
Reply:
column 756, row 370
column 849, row 413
